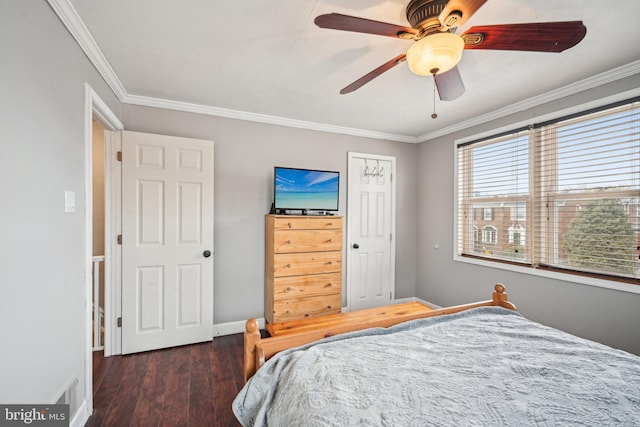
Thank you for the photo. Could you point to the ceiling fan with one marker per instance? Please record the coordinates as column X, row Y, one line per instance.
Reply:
column 437, row 50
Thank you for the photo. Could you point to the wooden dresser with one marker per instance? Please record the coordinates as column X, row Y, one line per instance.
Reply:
column 303, row 267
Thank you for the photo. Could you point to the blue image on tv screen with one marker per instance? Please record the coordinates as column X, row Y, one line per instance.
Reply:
column 305, row 189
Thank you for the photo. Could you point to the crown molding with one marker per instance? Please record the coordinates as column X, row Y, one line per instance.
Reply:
column 70, row 18
column 261, row 118
column 571, row 89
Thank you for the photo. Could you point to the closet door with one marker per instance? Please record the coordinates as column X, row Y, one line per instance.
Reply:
column 371, row 220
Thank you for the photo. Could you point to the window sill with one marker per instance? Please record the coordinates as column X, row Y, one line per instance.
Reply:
column 566, row 277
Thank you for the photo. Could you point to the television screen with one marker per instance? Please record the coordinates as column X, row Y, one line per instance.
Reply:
column 305, row 189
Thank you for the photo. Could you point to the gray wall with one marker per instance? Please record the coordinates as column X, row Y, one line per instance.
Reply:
column 42, row 252
column 604, row 315
column 245, row 154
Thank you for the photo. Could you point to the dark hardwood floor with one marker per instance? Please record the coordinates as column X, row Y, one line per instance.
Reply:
column 183, row 386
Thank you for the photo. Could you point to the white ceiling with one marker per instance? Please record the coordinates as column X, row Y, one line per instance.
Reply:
column 267, row 61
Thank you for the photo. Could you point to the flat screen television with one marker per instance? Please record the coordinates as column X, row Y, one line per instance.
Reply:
column 305, row 190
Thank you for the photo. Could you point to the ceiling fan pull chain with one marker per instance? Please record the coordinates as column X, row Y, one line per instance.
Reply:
column 434, row 115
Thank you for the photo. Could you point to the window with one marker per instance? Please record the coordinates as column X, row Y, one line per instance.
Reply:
column 565, row 193
column 516, row 235
column 493, row 176
column 490, row 235
column 518, row 212
column 476, row 238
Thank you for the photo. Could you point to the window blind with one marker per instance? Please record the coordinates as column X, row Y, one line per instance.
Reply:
column 564, row 194
column 493, row 188
column 589, row 192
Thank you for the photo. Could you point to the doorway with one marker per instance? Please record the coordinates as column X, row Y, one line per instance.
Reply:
column 98, row 236
column 96, row 111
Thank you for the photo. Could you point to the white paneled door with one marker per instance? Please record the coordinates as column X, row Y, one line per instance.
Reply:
column 371, row 219
column 167, row 241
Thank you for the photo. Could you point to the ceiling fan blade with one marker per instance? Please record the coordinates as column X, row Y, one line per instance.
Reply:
column 449, row 84
column 465, row 8
column 337, row 21
column 373, row 74
column 536, row 37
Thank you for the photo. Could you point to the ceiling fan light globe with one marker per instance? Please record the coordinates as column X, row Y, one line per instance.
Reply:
column 435, row 54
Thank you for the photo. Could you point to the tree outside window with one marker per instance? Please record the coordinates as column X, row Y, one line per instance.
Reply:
column 601, row 238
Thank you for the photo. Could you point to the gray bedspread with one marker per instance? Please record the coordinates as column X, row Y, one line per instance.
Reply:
column 483, row 367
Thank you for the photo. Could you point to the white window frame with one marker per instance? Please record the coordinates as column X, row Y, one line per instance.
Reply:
column 518, row 212
column 476, row 237
column 517, row 229
column 488, row 217
column 490, row 235
column 523, row 269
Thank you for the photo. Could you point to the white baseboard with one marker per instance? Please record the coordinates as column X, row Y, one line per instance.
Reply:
column 231, row 328
column 81, row 416
column 428, row 304
column 403, row 300
column 414, row 299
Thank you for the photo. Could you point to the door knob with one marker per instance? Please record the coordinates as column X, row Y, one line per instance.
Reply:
column 207, row 253
column 356, row 246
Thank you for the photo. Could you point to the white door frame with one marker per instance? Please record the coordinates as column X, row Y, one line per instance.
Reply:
column 94, row 107
column 112, row 250
column 351, row 218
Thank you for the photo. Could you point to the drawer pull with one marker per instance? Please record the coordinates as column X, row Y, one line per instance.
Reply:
column 289, row 225
column 329, row 262
column 288, row 242
column 287, row 266
column 330, row 240
column 328, row 285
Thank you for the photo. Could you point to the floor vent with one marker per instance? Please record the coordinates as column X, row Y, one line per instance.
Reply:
column 70, row 397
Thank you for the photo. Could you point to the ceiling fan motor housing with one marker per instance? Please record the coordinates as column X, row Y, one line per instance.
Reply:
column 424, row 13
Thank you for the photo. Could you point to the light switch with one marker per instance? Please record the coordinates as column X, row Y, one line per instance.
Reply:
column 69, row 201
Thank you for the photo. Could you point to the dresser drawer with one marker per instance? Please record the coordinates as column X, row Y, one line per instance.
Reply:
column 306, row 263
column 307, row 241
column 307, row 223
column 300, row 308
column 306, row 286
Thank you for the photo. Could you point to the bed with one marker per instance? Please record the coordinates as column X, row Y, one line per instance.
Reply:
column 477, row 364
